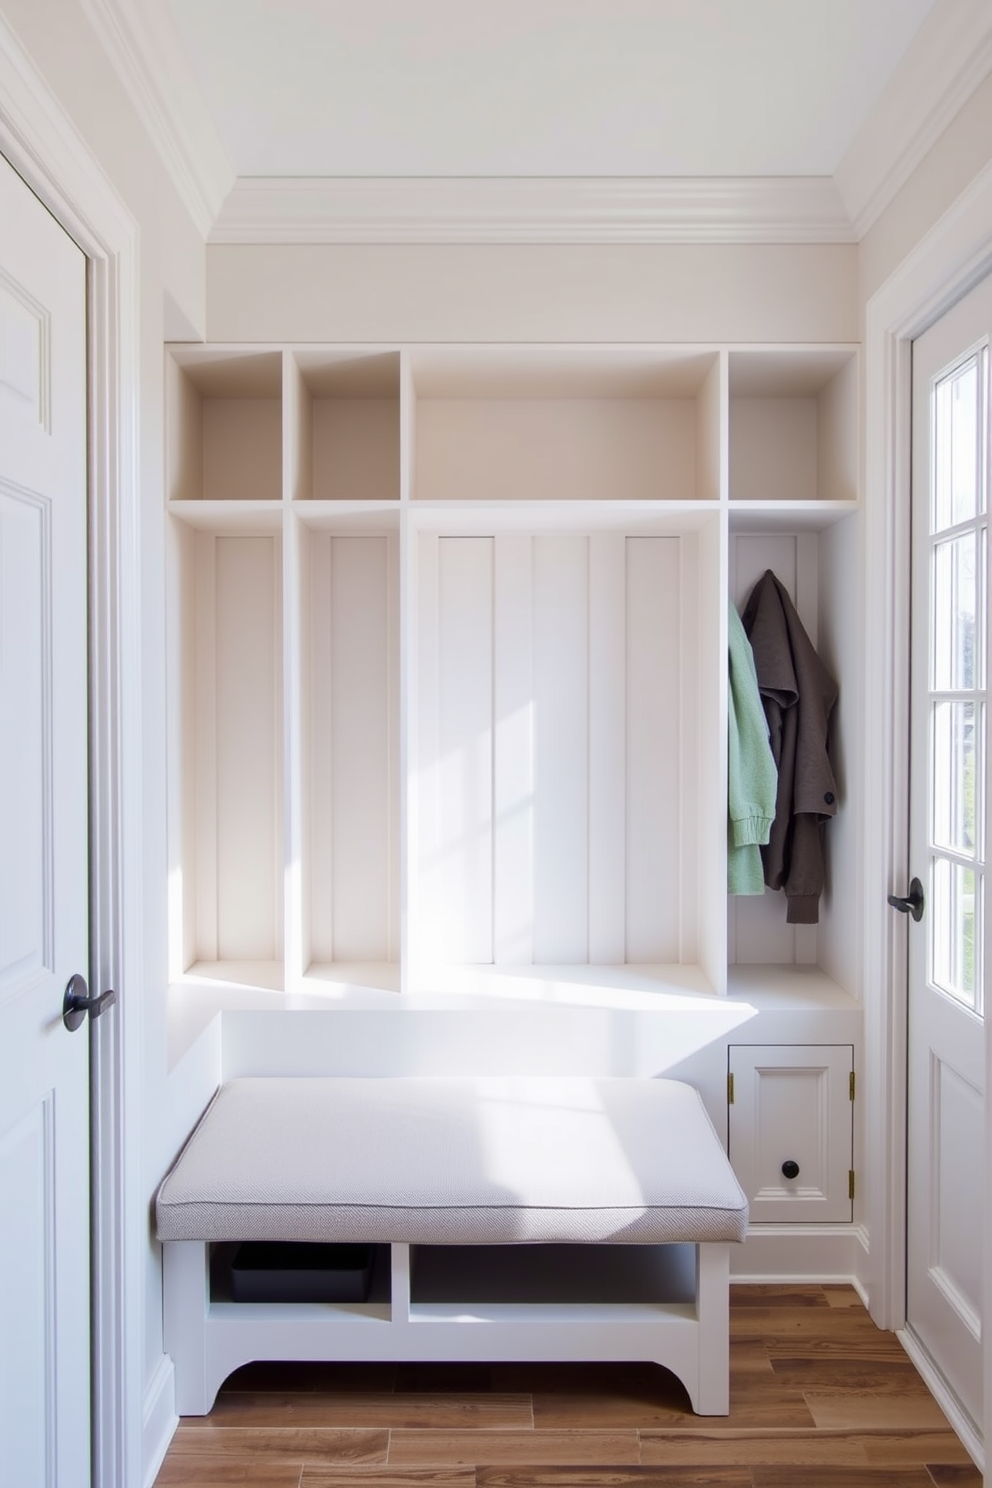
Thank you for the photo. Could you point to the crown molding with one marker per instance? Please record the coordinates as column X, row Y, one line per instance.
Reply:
column 950, row 55
column 532, row 210
column 146, row 53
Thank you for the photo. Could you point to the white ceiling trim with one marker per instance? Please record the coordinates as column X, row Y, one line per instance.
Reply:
column 949, row 57
column 149, row 60
column 532, row 210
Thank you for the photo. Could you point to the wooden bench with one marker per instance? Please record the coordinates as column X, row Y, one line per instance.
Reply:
column 462, row 1185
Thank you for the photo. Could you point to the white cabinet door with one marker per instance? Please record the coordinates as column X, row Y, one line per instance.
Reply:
column 791, row 1131
column 44, row 1069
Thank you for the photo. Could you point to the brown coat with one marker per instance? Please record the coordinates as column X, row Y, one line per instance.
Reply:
column 798, row 696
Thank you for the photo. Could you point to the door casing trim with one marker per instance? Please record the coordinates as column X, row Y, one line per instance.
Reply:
column 44, row 147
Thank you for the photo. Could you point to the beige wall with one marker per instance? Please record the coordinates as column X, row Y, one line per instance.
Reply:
column 964, row 149
column 553, row 293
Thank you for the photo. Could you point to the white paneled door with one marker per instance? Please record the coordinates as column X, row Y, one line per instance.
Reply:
column 44, row 1069
column 949, row 836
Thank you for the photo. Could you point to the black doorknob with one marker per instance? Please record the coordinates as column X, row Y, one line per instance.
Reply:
column 790, row 1168
column 77, row 1003
column 911, row 903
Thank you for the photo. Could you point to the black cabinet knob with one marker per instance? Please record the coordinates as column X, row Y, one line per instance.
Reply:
column 790, row 1169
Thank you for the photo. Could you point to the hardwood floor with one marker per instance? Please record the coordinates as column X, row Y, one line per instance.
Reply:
column 819, row 1399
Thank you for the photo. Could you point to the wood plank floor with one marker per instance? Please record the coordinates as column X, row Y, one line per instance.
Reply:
column 819, row 1399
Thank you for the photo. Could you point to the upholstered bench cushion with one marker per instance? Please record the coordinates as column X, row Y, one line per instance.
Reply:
column 453, row 1161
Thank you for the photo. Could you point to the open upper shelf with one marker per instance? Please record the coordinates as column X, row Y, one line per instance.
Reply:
column 225, row 425
column 344, row 412
column 793, row 425
column 555, row 424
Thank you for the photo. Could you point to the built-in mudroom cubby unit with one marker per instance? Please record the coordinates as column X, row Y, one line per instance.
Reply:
column 448, row 680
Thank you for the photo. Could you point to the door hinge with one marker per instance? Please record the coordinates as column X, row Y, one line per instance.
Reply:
column 730, row 1090
column 850, row 1183
column 850, row 1087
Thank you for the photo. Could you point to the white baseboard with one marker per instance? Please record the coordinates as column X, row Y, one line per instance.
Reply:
column 962, row 1423
column 158, row 1420
column 800, row 1253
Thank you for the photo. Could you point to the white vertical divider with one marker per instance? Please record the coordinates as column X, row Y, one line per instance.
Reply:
column 296, row 674
column 711, row 419
column 205, row 747
column 561, row 749
column 708, row 803
column 464, row 850
column 297, row 432
column 399, row 1294
column 408, row 428
column 513, row 776
column 659, row 804
column 607, row 748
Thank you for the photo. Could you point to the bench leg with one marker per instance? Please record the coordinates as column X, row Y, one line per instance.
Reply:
column 186, row 1280
column 712, row 1394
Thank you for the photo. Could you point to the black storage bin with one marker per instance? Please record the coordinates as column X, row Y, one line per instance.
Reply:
column 300, row 1271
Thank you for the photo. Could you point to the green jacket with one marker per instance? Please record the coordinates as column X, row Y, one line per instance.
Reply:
column 752, row 778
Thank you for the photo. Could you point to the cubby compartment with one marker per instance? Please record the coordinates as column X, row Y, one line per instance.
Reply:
column 446, row 1279
column 793, row 425
column 349, row 742
column 295, row 1287
column 814, row 555
column 224, row 425
column 567, row 701
column 301, row 1271
column 344, row 422
column 226, row 819
column 555, row 424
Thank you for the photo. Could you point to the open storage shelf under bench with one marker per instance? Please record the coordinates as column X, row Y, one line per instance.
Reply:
column 662, row 1303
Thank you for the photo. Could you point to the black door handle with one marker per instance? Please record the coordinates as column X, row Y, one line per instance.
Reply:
column 77, row 1003
column 913, row 903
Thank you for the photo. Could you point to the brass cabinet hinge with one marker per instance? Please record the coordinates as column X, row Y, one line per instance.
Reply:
column 851, row 1085
column 850, row 1183
column 730, row 1090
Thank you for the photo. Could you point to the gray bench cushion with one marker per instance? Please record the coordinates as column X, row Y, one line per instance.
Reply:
column 439, row 1160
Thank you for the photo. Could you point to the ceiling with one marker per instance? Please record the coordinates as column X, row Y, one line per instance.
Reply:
column 542, row 87
column 543, row 120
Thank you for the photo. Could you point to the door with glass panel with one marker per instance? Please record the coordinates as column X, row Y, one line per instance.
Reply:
column 949, row 843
